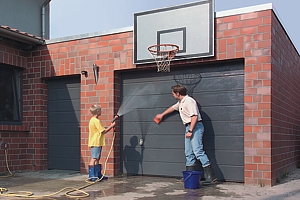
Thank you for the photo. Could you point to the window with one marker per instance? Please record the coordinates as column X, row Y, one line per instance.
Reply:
column 10, row 94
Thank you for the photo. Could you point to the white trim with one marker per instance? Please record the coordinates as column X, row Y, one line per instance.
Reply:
column 89, row 35
column 249, row 9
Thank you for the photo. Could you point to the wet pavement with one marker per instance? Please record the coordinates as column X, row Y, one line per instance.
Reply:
column 47, row 185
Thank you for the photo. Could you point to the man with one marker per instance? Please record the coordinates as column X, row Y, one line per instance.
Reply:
column 191, row 118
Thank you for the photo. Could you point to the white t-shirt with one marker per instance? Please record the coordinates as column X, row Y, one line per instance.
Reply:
column 187, row 107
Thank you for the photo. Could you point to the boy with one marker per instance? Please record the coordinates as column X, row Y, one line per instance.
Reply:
column 96, row 142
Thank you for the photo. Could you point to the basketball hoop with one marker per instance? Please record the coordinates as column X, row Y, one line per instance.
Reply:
column 163, row 54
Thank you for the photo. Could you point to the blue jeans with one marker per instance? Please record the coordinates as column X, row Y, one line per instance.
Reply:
column 194, row 147
column 96, row 152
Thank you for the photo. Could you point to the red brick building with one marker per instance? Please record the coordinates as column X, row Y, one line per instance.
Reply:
column 271, row 91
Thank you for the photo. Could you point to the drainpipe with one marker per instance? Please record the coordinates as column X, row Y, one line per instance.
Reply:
column 44, row 18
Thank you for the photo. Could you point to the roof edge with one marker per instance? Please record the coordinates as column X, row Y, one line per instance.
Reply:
column 238, row 11
column 21, row 37
column 89, row 35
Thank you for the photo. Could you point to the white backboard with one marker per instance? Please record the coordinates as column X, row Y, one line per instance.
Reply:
column 190, row 26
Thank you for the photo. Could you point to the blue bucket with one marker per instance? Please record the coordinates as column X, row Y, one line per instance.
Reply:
column 191, row 179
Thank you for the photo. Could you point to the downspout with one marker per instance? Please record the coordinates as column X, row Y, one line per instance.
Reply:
column 44, row 18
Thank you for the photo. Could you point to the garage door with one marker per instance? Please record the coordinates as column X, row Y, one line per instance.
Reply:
column 63, row 123
column 151, row 149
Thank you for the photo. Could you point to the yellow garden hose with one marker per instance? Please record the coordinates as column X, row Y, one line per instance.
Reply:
column 3, row 191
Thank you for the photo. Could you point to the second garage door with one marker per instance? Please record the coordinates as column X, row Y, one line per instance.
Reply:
column 63, row 123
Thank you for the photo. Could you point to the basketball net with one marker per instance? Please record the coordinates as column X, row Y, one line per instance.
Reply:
column 163, row 54
column 190, row 81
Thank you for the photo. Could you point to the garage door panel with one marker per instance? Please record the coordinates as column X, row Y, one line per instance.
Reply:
column 164, row 101
column 59, row 128
column 65, row 105
column 147, row 87
column 63, row 117
column 219, row 113
column 164, row 128
column 138, row 128
column 140, row 78
column 152, row 155
column 223, row 83
column 61, row 163
column 64, row 82
column 147, row 115
column 223, row 128
column 152, row 141
column 218, row 142
column 154, row 168
column 143, row 114
column 225, row 157
column 64, row 152
column 61, row 140
column 64, row 93
column 133, row 102
column 219, row 98
column 134, row 78
column 158, row 102
column 225, row 172
column 221, row 69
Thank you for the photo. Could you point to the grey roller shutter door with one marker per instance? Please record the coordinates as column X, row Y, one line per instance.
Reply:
column 63, row 123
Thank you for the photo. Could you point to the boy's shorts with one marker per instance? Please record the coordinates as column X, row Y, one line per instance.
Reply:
column 96, row 152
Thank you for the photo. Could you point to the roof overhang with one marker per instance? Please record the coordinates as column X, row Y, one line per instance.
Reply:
column 16, row 35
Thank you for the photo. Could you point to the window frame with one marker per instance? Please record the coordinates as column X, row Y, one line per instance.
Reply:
column 17, row 74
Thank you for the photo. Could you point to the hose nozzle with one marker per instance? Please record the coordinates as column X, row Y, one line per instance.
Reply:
column 115, row 118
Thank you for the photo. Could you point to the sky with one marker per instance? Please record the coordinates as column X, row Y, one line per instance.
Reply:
column 74, row 17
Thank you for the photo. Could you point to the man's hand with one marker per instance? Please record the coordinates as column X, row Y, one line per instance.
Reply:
column 159, row 116
column 188, row 135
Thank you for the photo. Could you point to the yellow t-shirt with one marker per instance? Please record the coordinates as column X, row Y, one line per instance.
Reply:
column 96, row 137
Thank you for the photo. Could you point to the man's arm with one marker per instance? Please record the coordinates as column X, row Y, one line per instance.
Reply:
column 168, row 111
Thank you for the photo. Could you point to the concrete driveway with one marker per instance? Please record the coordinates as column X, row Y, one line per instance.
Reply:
column 50, row 182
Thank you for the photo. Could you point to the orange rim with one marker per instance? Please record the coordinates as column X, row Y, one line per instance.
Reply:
column 174, row 46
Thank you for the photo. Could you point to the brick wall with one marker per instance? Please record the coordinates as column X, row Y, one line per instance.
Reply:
column 26, row 142
column 285, row 102
column 271, row 131
column 270, row 144
column 248, row 36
